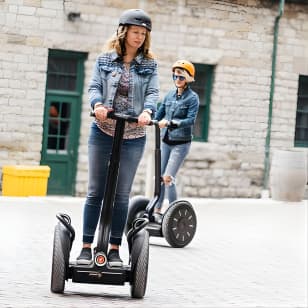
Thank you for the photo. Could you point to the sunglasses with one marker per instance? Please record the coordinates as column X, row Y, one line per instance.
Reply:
column 175, row 77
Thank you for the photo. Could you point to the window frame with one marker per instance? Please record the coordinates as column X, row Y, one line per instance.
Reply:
column 300, row 97
column 208, row 71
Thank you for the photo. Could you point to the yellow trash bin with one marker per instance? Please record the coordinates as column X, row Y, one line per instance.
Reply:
column 24, row 181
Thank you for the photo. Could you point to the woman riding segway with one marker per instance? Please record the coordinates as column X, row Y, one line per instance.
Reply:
column 176, row 117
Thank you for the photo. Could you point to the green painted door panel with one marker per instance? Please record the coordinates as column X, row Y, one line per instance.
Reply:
column 60, row 142
column 64, row 87
column 203, row 86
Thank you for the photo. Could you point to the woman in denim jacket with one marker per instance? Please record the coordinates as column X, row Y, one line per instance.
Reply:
column 176, row 115
column 124, row 80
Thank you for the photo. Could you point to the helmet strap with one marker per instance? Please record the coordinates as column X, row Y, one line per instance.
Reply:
column 180, row 90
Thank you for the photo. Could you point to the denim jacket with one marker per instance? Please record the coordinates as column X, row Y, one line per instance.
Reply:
column 144, row 82
column 182, row 110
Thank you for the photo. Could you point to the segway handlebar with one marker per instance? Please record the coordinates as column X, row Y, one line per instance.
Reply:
column 115, row 116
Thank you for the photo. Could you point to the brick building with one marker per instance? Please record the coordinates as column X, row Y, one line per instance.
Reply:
column 249, row 107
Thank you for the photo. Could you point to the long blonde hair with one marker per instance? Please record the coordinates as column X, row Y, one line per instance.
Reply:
column 117, row 43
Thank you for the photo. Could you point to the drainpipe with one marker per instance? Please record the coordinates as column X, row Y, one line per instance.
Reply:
column 270, row 107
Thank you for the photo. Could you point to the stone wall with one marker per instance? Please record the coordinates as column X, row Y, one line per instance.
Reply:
column 234, row 36
column 238, row 40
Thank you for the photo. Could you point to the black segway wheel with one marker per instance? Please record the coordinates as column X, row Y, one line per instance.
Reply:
column 60, row 258
column 139, row 264
column 179, row 224
column 137, row 206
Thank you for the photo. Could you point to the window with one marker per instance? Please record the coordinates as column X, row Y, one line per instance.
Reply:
column 301, row 126
column 62, row 74
column 58, row 126
column 203, row 86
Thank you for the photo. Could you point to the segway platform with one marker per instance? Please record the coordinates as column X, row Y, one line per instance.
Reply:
column 100, row 275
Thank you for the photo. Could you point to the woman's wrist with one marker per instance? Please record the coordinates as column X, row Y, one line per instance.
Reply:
column 148, row 111
column 98, row 105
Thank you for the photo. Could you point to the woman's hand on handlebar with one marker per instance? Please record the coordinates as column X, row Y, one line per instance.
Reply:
column 101, row 112
column 163, row 123
column 144, row 118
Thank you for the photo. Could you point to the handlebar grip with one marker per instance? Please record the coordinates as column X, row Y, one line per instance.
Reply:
column 173, row 124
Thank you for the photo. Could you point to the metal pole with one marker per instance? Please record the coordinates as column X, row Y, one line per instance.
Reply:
column 270, row 107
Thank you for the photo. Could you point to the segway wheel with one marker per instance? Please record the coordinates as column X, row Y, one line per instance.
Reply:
column 136, row 209
column 179, row 224
column 139, row 264
column 60, row 258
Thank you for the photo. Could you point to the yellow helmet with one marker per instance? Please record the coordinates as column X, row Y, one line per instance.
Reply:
column 186, row 65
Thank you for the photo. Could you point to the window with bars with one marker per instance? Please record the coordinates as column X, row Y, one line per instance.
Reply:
column 58, row 126
column 301, row 126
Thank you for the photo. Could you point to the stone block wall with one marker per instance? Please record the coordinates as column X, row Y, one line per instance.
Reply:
column 234, row 36
column 238, row 39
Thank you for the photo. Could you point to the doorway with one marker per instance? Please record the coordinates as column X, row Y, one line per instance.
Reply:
column 62, row 117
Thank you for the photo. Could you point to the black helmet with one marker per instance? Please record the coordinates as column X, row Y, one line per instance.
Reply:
column 136, row 17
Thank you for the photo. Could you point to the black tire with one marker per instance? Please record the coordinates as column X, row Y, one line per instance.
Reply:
column 139, row 264
column 179, row 224
column 60, row 258
column 137, row 206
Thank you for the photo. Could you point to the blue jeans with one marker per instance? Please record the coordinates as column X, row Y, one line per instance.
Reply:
column 100, row 146
column 172, row 157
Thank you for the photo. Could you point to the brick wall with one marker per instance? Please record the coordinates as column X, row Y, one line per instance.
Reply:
column 235, row 36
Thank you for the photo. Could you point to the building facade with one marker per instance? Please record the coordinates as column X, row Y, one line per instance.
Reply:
column 252, row 76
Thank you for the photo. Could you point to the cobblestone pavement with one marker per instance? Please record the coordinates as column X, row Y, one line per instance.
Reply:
column 246, row 253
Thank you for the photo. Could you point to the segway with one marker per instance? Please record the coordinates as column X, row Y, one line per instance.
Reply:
column 99, row 272
column 179, row 222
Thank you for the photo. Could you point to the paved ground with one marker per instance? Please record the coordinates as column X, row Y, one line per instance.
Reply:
column 246, row 253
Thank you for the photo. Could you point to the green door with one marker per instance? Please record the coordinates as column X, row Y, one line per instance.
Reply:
column 62, row 120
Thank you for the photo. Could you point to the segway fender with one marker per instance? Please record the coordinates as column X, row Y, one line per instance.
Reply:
column 139, row 240
column 137, row 206
column 67, row 231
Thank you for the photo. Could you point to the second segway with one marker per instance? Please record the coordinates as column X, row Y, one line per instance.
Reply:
column 178, row 224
